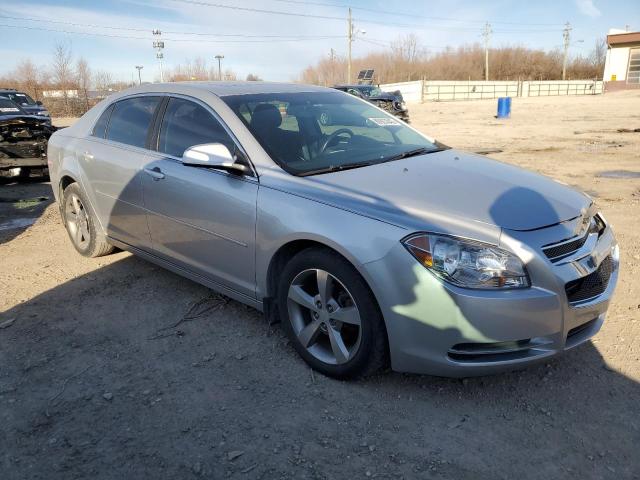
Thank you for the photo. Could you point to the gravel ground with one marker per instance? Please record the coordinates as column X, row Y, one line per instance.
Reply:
column 113, row 367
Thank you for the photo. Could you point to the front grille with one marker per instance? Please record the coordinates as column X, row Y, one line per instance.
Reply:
column 557, row 251
column 592, row 285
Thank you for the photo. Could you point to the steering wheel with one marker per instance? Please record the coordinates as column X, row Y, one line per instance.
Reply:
column 333, row 136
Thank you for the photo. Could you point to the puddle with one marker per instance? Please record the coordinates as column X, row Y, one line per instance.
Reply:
column 618, row 174
column 17, row 223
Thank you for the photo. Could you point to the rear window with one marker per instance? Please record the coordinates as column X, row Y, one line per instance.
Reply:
column 100, row 128
column 131, row 119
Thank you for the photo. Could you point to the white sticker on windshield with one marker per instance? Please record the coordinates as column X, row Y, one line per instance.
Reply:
column 9, row 109
column 384, row 121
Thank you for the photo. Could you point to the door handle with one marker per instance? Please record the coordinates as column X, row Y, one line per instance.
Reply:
column 155, row 173
column 87, row 155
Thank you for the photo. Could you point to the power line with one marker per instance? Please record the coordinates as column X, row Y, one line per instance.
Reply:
column 412, row 15
column 329, row 17
column 174, row 32
column 258, row 10
column 188, row 40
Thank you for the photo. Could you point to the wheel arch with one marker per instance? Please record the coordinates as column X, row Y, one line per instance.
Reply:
column 291, row 248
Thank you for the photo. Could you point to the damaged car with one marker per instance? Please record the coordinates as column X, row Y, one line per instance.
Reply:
column 391, row 102
column 25, row 102
column 23, row 140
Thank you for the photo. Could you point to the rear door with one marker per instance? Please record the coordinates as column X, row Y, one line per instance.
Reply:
column 113, row 161
column 200, row 218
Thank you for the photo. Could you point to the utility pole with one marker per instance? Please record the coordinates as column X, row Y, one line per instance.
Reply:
column 139, row 67
column 351, row 36
column 159, row 46
column 566, row 35
column 486, row 33
column 350, row 41
column 219, row 57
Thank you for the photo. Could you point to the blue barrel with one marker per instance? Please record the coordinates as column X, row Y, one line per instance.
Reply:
column 504, row 107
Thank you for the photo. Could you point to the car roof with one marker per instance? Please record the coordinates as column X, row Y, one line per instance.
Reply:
column 223, row 89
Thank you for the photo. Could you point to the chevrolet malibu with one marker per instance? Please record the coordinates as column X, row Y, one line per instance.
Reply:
column 373, row 244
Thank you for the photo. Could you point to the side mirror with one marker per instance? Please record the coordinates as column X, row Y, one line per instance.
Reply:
column 39, row 103
column 212, row 155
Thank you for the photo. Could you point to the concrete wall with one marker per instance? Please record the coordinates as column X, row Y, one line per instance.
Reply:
column 411, row 91
column 442, row 90
column 560, row 87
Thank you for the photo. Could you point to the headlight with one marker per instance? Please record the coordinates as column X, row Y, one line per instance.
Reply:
column 43, row 112
column 467, row 263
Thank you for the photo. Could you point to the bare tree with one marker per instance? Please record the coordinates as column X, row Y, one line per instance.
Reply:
column 28, row 77
column 83, row 75
column 63, row 71
column 253, row 78
column 598, row 55
column 102, row 80
column 407, row 48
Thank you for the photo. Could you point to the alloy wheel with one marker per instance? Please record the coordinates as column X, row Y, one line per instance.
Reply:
column 324, row 316
column 77, row 220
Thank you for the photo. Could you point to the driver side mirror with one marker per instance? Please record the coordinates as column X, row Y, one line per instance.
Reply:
column 212, row 155
column 39, row 103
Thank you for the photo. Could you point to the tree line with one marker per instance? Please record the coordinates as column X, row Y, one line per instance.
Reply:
column 79, row 87
column 407, row 60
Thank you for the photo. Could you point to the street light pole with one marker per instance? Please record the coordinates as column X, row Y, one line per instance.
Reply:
column 219, row 57
column 139, row 67
column 159, row 46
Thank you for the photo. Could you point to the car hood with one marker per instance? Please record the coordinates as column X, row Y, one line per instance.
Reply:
column 383, row 96
column 441, row 188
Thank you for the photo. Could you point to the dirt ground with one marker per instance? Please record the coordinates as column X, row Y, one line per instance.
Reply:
column 115, row 368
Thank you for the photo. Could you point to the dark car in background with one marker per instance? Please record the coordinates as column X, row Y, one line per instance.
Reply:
column 24, row 101
column 391, row 102
column 23, row 140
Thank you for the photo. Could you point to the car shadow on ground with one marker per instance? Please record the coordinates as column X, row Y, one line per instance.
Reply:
column 133, row 371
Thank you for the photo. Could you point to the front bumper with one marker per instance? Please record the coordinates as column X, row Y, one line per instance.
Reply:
column 439, row 329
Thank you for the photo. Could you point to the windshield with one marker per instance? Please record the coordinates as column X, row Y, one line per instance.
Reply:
column 21, row 99
column 8, row 107
column 319, row 132
column 370, row 91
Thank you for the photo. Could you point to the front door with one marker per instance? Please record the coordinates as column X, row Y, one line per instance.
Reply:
column 200, row 218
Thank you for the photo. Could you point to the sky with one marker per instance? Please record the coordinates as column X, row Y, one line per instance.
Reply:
column 277, row 46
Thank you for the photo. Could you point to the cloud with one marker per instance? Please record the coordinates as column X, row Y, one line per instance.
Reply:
column 587, row 8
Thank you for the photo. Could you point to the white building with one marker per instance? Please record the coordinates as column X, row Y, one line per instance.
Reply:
column 622, row 65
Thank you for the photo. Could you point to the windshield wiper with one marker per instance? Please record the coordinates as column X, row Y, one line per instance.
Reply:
column 336, row 168
column 412, row 153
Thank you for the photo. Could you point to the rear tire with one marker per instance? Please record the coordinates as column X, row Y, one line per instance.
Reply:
column 81, row 224
column 331, row 315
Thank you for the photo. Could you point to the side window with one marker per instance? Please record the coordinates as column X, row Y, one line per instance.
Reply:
column 100, row 128
column 130, row 120
column 186, row 124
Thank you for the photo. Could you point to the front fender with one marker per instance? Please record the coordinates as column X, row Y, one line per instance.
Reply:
column 283, row 218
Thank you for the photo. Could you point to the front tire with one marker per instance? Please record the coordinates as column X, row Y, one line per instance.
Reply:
column 81, row 224
column 331, row 316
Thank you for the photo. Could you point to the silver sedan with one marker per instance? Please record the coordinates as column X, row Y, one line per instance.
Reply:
column 372, row 243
